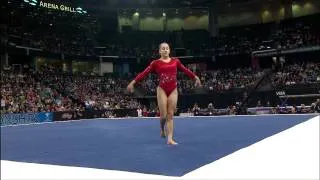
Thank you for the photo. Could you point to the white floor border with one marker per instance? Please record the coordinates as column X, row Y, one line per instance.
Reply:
column 291, row 154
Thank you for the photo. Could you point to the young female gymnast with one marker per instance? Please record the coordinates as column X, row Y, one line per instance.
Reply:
column 167, row 95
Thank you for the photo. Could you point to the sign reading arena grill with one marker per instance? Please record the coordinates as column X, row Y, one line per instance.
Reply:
column 60, row 7
column 56, row 6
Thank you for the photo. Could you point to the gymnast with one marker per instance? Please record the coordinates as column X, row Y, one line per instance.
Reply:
column 167, row 94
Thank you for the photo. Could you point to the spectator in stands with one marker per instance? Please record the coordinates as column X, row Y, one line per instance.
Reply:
column 317, row 106
column 139, row 112
column 196, row 109
column 303, row 109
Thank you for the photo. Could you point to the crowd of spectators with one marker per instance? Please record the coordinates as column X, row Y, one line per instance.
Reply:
column 54, row 32
column 298, row 74
column 289, row 34
column 51, row 90
column 47, row 91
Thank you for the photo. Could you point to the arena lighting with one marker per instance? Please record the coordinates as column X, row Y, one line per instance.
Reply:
column 79, row 10
column 33, row 2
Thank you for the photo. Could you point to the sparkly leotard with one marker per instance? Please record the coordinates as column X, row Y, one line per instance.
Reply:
column 167, row 72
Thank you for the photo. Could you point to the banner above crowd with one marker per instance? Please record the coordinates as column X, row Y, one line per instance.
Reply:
column 56, row 6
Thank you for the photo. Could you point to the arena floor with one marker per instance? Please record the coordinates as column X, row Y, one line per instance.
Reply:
column 224, row 147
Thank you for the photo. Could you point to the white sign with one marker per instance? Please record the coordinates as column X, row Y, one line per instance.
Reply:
column 60, row 7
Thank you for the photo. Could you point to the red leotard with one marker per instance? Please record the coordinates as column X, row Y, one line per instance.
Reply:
column 167, row 72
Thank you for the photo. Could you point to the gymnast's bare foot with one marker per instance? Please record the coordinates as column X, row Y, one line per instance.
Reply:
column 162, row 134
column 172, row 142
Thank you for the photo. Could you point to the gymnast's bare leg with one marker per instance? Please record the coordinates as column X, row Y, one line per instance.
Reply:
column 162, row 105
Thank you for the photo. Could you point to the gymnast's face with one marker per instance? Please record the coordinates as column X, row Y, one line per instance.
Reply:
column 164, row 50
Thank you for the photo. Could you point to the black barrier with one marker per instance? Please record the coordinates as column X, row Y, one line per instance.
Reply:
column 125, row 112
column 69, row 115
column 100, row 113
column 90, row 114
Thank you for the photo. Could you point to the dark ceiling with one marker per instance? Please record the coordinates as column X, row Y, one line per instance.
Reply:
column 219, row 5
column 160, row 3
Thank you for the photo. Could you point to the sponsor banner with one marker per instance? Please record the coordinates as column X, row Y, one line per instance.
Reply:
column 25, row 118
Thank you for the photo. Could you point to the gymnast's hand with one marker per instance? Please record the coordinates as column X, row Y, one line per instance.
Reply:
column 130, row 87
column 198, row 82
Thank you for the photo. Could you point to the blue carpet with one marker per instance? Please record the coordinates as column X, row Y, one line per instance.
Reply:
column 134, row 145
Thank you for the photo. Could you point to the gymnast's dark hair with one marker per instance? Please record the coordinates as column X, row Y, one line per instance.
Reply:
column 164, row 42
